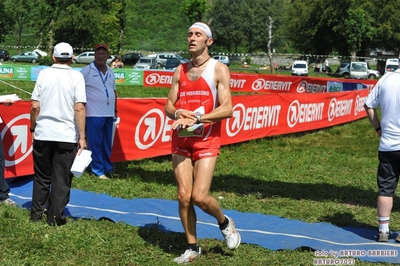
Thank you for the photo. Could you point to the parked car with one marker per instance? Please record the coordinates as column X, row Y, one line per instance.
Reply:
column 344, row 71
column 358, row 70
column 131, row 58
column 223, row 59
column 392, row 64
column 172, row 63
column 42, row 53
column 4, row 55
column 300, row 68
column 145, row 62
column 88, row 57
column 27, row 56
column 161, row 59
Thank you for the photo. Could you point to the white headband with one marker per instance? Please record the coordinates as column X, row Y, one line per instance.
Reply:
column 202, row 26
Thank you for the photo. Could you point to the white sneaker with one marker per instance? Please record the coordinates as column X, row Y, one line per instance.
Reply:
column 9, row 202
column 188, row 256
column 232, row 237
column 103, row 177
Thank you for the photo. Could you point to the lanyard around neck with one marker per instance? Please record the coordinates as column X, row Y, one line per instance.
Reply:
column 104, row 82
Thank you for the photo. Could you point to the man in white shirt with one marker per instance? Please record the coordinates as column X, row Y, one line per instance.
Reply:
column 386, row 95
column 101, row 110
column 58, row 125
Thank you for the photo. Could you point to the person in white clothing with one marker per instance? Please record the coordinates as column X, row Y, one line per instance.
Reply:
column 101, row 110
column 386, row 95
column 58, row 126
column 326, row 65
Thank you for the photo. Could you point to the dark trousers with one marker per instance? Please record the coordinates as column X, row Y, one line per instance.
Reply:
column 52, row 180
column 4, row 188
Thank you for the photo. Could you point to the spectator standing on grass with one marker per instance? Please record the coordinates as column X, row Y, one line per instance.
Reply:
column 4, row 188
column 386, row 95
column 58, row 125
column 101, row 110
column 326, row 65
column 202, row 85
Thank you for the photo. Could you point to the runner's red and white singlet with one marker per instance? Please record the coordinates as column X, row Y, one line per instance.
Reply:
column 193, row 95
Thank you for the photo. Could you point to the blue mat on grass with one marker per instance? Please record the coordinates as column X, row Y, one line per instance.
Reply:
column 268, row 231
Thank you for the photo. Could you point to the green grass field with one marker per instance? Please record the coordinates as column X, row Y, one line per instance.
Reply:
column 327, row 175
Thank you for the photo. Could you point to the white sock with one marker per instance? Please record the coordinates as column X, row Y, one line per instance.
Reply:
column 384, row 223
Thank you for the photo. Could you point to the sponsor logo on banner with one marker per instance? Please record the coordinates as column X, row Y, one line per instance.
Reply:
column 263, row 84
column 22, row 73
column 20, row 147
column 36, row 70
column 335, row 86
column 151, row 127
column 135, row 77
column 156, row 78
column 6, row 72
column 359, row 106
column 339, row 108
column 237, row 83
column 304, row 86
column 119, row 77
column 304, row 112
column 252, row 118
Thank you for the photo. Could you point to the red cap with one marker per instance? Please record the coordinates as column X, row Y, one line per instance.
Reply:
column 101, row 45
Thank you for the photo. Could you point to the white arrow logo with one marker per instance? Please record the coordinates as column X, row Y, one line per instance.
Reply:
column 292, row 116
column 21, row 140
column 258, row 84
column 152, row 79
column 233, row 128
column 151, row 128
column 150, row 122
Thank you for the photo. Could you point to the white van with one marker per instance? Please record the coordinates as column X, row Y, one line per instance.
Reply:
column 392, row 64
column 300, row 68
column 358, row 70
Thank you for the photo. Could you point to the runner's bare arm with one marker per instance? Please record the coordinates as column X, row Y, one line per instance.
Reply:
column 224, row 110
column 169, row 108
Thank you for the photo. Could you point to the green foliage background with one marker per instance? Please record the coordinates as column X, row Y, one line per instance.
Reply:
column 317, row 27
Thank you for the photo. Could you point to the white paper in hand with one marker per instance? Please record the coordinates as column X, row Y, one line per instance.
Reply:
column 81, row 162
column 197, row 130
column 9, row 97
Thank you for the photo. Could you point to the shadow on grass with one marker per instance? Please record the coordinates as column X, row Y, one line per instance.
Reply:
column 343, row 219
column 243, row 186
column 172, row 242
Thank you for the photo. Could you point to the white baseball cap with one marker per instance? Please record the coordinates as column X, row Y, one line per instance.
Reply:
column 63, row 50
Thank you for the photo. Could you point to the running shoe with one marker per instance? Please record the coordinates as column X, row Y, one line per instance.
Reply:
column 383, row 236
column 232, row 237
column 188, row 256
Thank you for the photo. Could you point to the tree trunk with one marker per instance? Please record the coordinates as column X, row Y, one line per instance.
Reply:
column 50, row 44
column 20, row 27
column 271, row 21
column 120, row 41
column 40, row 41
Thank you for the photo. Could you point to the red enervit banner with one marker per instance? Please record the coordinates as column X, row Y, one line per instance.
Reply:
column 245, row 82
column 260, row 83
column 143, row 130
